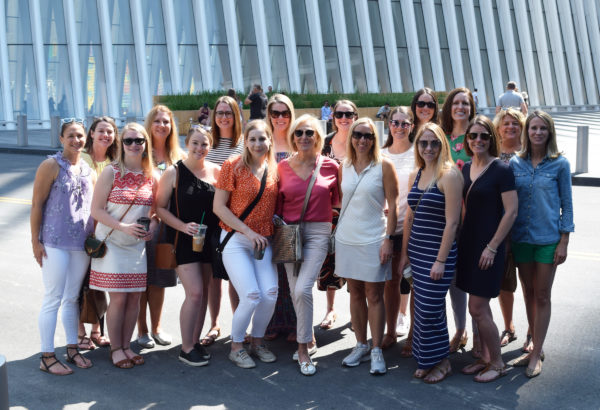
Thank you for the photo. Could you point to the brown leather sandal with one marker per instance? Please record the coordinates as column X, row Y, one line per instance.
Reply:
column 121, row 364
column 136, row 358
column 500, row 371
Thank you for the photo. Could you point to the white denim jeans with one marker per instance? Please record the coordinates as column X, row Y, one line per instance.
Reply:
column 62, row 273
column 255, row 282
column 315, row 238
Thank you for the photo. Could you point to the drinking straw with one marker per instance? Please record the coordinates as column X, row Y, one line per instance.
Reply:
column 202, row 219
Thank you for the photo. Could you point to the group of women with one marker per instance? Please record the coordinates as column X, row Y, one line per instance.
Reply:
column 439, row 209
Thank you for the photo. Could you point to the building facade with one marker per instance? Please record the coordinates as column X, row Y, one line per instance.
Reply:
column 89, row 57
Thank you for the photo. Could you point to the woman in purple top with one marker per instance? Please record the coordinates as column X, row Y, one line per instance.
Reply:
column 60, row 222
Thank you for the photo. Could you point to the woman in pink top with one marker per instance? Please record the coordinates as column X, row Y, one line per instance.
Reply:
column 295, row 173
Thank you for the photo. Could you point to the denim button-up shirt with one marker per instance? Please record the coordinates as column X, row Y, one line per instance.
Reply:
column 545, row 200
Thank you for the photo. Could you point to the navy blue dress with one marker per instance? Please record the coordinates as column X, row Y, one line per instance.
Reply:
column 430, row 339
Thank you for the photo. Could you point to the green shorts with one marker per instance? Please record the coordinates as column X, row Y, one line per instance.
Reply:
column 527, row 252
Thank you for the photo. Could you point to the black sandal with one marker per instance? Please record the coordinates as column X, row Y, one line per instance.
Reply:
column 511, row 337
column 71, row 358
column 56, row 361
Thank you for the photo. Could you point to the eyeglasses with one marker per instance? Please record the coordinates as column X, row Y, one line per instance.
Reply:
column 403, row 124
column 435, row 144
column 423, row 104
column 308, row 133
column 138, row 141
column 484, row 136
column 342, row 114
column 64, row 121
column 226, row 114
column 369, row 136
column 284, row 114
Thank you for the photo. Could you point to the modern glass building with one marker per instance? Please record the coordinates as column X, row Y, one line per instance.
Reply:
column 89, row 57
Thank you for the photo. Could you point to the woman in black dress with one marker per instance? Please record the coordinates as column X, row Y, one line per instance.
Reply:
column 490, row 202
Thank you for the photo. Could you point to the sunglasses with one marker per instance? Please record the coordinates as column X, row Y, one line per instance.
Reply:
column 283, row 114
column 435, row 144
column 403, row 124
column 342, row 114
column 485, row 136
column 300, row 133
column 423, row 104
column 138, row 141
column 226, row 114
column 369, row 136
column 64, row 121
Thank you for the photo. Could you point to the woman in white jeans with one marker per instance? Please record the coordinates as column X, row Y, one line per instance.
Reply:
column 60, row 222
column 295, row 175
column 252, row 274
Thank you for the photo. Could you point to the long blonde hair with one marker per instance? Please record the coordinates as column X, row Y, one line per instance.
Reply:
column 551, row 146
column 280, row 99
column 374, row 153
column 174, row 152
column 246, row 155
column 147, row 162
column 444, row 161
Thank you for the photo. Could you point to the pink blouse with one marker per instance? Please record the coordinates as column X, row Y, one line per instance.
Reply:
column 292, row 189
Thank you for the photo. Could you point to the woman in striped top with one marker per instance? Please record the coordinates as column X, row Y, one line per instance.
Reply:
column 432, row 218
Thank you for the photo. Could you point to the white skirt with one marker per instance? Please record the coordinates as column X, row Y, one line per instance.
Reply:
column 361, row 262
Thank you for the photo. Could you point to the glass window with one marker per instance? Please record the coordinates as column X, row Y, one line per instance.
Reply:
column 307, row 73
column 93, row 79
column 467, row 68
column 375, row 20
column 184, row 22
column 279, row 71
column 216, row 23
column 426, row 68
column 221, row 73
column 58, row 80
column 23, row 81
column 128, row 83
column 300, row 23
column 399, row 26
column 327, row 28
column 154, row 27
column 441, row 25
column 448, row 76
column 250, row 66
column 189, row 67
column 334, row 78
column 53, row 22
column 381, row 64
column 86, row 22
column 159, row 75
column 2, row 116
column 120, row 18
column 273, row 18
column 358, row 69
column 245, row 23
column 217, row 39
column 18, row 23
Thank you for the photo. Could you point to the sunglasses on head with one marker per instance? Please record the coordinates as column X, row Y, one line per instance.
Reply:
column 485, row 136
column 423, row 104
column 300, row 133
column 64, row 121
column 342, row 114
column 435, row 144
column 366, row 135
column 283, row 114
column 401, row 124
column 226, row 114
column 138, row 141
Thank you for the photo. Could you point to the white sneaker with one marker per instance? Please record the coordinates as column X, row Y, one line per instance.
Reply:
column 403, row 325
column 359, row 354
column 146, row 341
column 241, row 359
column 263, row 353
column 377, row 362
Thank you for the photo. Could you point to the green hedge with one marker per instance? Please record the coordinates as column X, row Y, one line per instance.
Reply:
column 195, row 101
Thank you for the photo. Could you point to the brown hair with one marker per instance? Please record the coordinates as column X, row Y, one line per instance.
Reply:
column 447, row 121
column 174, row 152
column 237, row 124
column 147, row 162
column 551, row 146
column 111, row 152
column 198, row 129
column 340, row 102
column 374, row 153
column 403, row 110
column 486, row 123
column 413, row 105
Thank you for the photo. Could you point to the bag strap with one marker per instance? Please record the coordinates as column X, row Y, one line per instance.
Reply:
column 162, row 227
column 475, row 180
column 249, row 208
column 127, row 210
column 310, row 187
column 349, row 199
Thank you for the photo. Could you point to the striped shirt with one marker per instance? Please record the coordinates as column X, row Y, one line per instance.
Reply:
column 224, row 151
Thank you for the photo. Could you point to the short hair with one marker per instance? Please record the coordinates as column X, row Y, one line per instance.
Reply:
column 511, row 85
column 400, row 109
column 511, row 112
column 280, row 99
column 174, row 153
column 346, row 102
column 374, row 153
column 314, row 124
column 112, row 151
column 237, row 123
column 447, row 122
column 147, row 162
column 551, row 146
column 486, row 123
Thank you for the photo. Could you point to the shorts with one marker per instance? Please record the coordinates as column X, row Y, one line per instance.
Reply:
column 509, row 279
column 528, row 253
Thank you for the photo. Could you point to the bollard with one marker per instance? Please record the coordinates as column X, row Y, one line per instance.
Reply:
column 22, row 130
column 581, row 161
column 380, row 130
column 323, row 125
column 3, row 384
column 54, row 131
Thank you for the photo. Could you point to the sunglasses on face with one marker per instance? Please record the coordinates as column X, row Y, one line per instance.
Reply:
column 435, row 144
column 342, row 114
column 138, row 141
column 283, row 114
column 369, row 136
column 70, row 120
column 226, row 114
column 483, row 135
column 401, row 124
column 300, row 133
column 423, row 104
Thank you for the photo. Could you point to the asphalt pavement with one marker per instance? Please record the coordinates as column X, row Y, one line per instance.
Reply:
column 570, row 376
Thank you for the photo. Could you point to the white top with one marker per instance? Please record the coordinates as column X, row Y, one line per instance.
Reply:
column 404, row 164
column 363, row 221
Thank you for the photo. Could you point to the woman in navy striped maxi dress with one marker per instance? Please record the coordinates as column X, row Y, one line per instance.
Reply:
column 432, row 218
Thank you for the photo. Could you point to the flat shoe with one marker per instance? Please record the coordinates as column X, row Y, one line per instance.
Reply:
column 307, row 368
column 99, row 339
column 520, row 361
column 500, row 371
column 475, row 367
column 85, row 343
column 162, row 338
column 210, row 338
column 458, row 342
column 531, row 373
column 311, row 351
column 510, row 337
column 71, row 359
column 47, row 367
column 121, row 364
column 146, row 341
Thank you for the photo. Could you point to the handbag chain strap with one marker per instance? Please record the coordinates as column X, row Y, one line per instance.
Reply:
column 162, row 227
column 310, row 187
column 349, row 199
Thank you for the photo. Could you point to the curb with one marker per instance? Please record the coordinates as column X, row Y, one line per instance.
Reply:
column 32, row 150
column 579, row 180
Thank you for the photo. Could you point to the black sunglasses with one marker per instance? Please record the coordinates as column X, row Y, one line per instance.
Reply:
column 485, row 136
column 138, row 141
column 300, row 133
column 367, row 135
column 435, row 144
column 64, row 121
column 422, row 104
column 402, row 124
column 284, row 114
column 342, row 114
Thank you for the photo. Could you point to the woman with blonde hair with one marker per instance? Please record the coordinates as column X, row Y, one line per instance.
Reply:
column 432, row 217
column 162, row 129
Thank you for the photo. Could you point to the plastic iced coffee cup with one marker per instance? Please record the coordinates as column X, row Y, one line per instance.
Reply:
column 198, row 239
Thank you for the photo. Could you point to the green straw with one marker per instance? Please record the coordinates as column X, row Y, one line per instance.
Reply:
column 202, row 219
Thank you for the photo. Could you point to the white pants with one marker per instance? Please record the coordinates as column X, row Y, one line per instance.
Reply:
column 63, row 273
column 315, row 237
column 255, row 282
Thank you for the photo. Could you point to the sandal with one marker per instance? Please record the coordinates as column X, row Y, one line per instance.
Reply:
column 211, row 336
column 85, row 343
column 420, row 373
column 507, row 337
column 388, row 341
column 83, row 363
column 500, row 371
column 528, row 342
column 406, row 351
column 475, row 367
column 458, row 342
column 47, row 366
column 136, row 358
column 441, row 371
column 99, row 339
column 328, row 320
column 121, row 364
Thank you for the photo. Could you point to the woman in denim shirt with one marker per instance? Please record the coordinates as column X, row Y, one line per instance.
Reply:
column 540, row 234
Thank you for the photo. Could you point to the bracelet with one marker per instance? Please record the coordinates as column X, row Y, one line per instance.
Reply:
column 489, row 248
column 437, row 260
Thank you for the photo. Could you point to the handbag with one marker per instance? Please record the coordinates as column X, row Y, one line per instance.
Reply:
column 217, row 246
column 287, row 239
column 93, row 303
column 164, row 253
